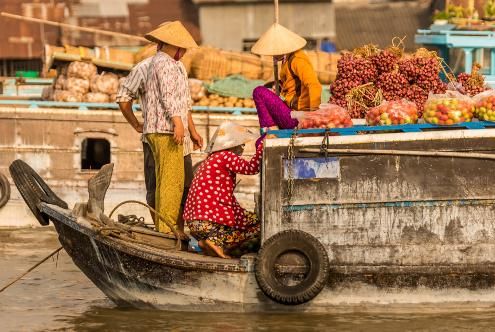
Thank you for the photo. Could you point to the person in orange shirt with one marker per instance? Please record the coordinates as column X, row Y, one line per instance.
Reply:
column 300, row 88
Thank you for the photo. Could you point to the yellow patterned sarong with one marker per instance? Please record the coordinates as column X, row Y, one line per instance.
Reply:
column 169, row 169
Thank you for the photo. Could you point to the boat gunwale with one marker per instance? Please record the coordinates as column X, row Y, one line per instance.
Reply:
column 374, row 138
column 168, row 258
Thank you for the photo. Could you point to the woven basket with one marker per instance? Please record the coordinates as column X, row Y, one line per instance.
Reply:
column 325, row 65
column 209, row 63
column 50, row 49
column 144, row 53
column 150, row 50
column 247, row 65
column 267, row 68
column 83, row 52
column 188, row 58
column 114, row 55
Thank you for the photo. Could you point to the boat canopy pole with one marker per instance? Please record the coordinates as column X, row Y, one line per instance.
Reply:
column 73, row 27
column 275, row 62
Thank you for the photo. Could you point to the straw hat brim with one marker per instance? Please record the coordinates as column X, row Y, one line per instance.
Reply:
column 173, row 33
column 278, row 40
column 229, row 135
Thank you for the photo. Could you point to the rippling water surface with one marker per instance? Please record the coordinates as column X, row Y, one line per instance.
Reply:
column 58, row 297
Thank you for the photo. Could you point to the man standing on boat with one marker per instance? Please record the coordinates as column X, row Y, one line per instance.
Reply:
column 161, row 84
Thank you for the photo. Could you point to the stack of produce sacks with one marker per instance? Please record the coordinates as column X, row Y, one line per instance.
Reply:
column 197, row 89
column 103, row 88
column 73, row 82
column 79, row 81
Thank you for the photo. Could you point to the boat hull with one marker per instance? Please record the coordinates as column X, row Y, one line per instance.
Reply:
column 144, row 277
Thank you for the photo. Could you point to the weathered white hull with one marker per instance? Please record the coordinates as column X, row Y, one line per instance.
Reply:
column 54, row 150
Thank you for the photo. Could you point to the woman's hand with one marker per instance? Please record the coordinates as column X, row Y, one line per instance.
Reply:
column 178, row 130
column 139, row 128
column 197, row 140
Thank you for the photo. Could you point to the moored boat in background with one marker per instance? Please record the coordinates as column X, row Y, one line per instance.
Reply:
column 68, row 142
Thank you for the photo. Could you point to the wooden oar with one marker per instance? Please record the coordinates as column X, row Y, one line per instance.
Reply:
column 72, row 27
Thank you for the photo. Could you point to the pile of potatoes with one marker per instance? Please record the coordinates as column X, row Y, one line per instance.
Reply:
column 214, row 100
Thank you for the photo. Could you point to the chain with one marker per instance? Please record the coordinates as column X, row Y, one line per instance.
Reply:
column 290, row 166
column 325, row 143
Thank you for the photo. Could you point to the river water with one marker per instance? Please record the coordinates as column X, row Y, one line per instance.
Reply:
column 58, row 297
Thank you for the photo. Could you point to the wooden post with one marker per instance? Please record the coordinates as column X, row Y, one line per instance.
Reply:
column 470, row 8
column 275, row 75
column 276, row 11
column 275, row 62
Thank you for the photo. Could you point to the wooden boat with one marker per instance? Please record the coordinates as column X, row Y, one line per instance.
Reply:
column 401, row 217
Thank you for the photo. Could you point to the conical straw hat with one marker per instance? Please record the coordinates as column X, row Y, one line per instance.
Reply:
column 229, row 135
column 172, row 33
column 278, row 40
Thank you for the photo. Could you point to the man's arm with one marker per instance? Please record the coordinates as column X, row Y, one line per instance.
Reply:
column 126, row 109
column 127, row 92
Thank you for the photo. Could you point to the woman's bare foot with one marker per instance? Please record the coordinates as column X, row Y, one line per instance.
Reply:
column 216, row 249
column 206, row 250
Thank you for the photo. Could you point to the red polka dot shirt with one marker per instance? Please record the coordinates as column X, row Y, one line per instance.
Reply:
column 211, row 196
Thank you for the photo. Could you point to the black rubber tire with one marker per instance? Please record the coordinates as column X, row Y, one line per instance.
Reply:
column 34, row 190
column 4, row 190
column 303, row 243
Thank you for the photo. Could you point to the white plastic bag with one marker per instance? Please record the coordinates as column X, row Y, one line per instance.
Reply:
column 448, row 109
column 77, row 85
column 96, row 97
column 327, row 116
column 393, row 113
column 67, row 96
column 105, row 83
column 484, row 105
column 80, row 69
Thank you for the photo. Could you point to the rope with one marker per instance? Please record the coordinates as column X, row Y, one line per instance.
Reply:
column 30, row 269
column 179, row 235
column 398, row 46
column 364, row 96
